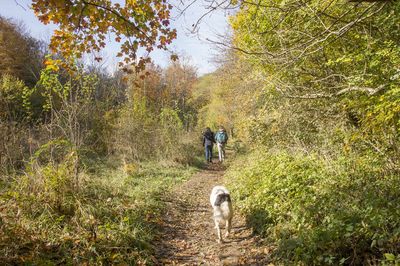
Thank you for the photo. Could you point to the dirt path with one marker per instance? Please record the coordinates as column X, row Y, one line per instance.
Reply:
column 188, row 235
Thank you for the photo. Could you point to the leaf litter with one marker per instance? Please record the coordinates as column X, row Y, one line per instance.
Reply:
column 188, row 236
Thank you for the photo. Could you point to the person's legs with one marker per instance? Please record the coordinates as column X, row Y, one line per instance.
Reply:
column 219, row 146
column 206, row 151
column 223, row 152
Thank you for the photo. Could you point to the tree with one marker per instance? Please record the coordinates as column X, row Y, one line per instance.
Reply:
column 311, row 47
column 21, row 55
column 84, row 25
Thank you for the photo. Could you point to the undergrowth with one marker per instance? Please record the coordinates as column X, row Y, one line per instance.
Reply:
column 320, row 211
column 109, row 218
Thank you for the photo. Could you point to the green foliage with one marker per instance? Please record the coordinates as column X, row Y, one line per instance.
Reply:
column 171, row 131
column 135, row 130
column 216, row 99
column 317, row 63
column 60, row 204
column 316, row 90
column 156, row 120
column 320, row 211
column 49, row 179
column 13, row 98
column 141, row 134
column 72, row 111
column 15, row 114
column 78, row 89
column 110, row 219
column 380, row 123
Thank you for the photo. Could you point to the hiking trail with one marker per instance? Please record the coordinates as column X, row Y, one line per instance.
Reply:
column 188, row 236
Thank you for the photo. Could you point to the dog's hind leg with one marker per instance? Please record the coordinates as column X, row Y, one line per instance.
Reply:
column 228, row 227
column 218, row 231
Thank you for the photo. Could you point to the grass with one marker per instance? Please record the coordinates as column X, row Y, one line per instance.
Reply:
column 111, row 219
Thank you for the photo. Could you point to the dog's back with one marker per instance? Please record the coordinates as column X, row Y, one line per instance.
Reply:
column 218, row 192
column 222, row 206
column 221, row 202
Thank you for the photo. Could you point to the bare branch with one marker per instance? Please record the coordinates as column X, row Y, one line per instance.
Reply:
column 18, row 4
column 369, row 91
column 239, row 49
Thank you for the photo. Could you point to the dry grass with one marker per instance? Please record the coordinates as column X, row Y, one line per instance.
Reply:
column 110, row 218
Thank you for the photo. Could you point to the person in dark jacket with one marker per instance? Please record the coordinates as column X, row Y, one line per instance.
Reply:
column 208, row 142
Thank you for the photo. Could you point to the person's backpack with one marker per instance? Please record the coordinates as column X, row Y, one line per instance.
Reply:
column 222, row 137
column 208, row 138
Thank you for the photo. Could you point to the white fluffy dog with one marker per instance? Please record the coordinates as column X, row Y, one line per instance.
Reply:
column 221, row 202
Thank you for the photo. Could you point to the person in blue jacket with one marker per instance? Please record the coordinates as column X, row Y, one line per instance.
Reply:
column 221, row 137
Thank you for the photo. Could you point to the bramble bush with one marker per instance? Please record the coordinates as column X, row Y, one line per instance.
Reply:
column 319, row 211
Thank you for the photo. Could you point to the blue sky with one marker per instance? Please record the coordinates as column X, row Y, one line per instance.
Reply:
column 194, row 46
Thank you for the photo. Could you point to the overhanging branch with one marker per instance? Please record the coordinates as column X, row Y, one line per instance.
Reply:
column 368, row 90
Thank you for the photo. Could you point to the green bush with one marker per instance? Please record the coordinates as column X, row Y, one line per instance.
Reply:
column 317, row 210
column 12, row 93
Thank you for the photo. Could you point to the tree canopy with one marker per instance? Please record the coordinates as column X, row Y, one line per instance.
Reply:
column 84, row 26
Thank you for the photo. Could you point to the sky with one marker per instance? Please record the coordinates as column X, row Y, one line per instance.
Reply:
column 195, row 47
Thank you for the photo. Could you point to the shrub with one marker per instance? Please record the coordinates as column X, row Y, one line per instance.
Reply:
column 317, row 210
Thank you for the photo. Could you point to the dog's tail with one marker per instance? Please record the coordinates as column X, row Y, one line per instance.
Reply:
column 224, row 205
